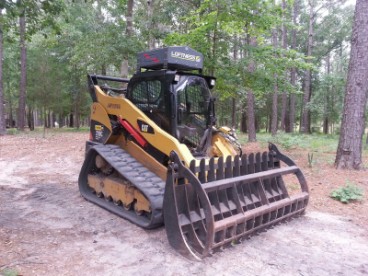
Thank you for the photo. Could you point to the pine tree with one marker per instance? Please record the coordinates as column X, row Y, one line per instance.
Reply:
column 349, row 151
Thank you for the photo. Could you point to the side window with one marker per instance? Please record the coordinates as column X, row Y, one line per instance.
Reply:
column 153, row 91
column 147, row 94
column 139, row 94
column 195, row 98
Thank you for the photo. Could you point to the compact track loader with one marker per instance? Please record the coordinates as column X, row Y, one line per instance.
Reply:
column 155, row 156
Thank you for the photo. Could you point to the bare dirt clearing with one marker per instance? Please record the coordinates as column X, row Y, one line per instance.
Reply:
column 47, row 228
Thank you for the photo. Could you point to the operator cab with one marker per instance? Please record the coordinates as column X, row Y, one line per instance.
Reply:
column 194, row 110
column 179, row 101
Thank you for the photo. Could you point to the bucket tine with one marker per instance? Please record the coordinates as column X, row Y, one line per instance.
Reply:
column 217, row 201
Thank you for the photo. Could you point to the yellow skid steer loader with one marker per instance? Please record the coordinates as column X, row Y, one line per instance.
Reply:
column 155, row 156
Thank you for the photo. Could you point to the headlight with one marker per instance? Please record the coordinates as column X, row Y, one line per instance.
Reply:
column 177, row 78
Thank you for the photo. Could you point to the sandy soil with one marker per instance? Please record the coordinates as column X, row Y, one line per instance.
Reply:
column 47, row 228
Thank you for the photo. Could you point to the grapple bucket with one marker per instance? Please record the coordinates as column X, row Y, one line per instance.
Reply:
column 219, row 202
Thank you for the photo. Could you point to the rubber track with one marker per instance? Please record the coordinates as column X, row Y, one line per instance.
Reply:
column 139, row 176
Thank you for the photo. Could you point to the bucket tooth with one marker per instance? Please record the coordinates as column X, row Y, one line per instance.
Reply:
column 218, row 202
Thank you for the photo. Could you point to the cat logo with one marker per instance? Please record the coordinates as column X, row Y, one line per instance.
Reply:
column 144, row 127
column 98, row 128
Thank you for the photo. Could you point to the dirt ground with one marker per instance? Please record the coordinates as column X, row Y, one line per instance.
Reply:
column 47, row 228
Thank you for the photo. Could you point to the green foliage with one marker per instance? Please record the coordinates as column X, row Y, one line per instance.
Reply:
column 9, row 272
column 313, row 142
column 69, row 129
column 38, row 13
column 348, row 193
column 12, row 131
column 218, row 27
column 331, row 35
column 287, row 141
column 68, row 39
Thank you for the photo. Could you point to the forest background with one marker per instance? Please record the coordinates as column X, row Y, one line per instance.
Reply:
column 280, row 65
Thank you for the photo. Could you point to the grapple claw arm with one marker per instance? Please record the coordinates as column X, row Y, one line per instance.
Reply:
column 176, row 197
column 215, row 202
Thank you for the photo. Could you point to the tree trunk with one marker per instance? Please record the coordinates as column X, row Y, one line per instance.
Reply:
column 274, row 109
column 23, row 73
column 326, row 124
column 71, row 120
column 215, row 38
column 77, row 118
column 274, row 118
column 45, row 116
column 11, row 116
column 293, row 70
column 292, row 102
column 2, row 109
column 124, row 69
column 235, row 57
column 129, row 17
column 77, row 112
column 44, row 122
column 103, row 69
column 243, row 124
column 326, row 97
column 54, row 120
column 305, row 122
column 49, row 118
column 251, row 117
column 284, row 94
column 151, row 39
column 250, row 99
column 60, row 120
column 349, row 150
column 30, row 119
column 233, row 113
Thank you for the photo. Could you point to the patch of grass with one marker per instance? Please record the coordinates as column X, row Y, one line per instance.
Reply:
column 316, row 149
column 38, row 130
column 9, row 272
column 12, row 131
column 294, row 186
column 71, row 129
column 242, row 137
column 313, row 142
column 348, row 193
column 285, row 140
